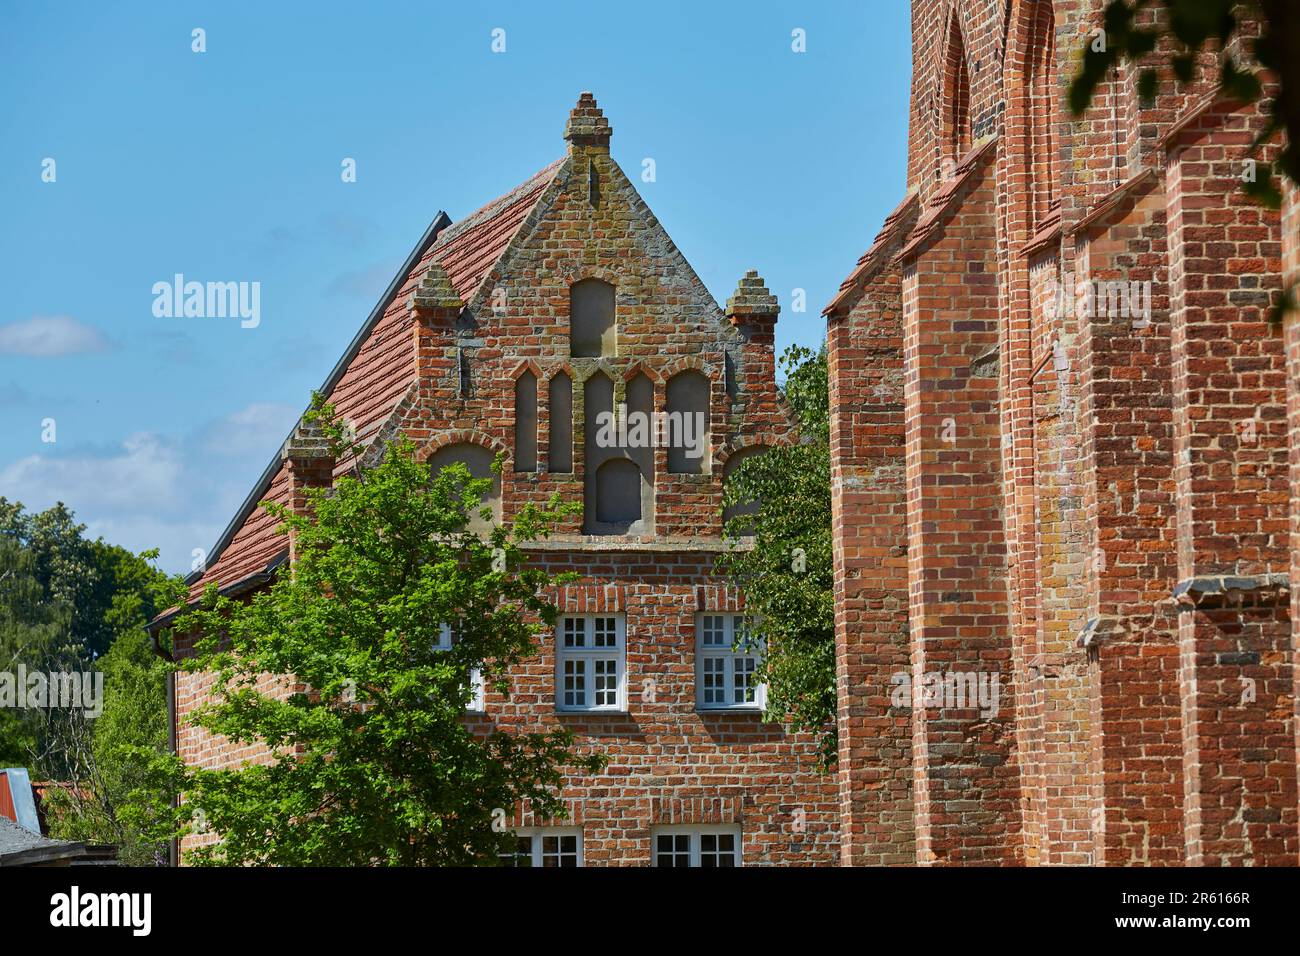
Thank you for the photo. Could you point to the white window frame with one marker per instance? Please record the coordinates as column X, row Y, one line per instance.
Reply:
column 446, row 637
column 537, row 849
column 724, row 658
column 694, row 835
column 588, row 658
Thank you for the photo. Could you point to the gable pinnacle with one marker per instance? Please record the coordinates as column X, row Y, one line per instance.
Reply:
column 435, row 292
column 587, row 125
column 307, row 441
column 752, row 298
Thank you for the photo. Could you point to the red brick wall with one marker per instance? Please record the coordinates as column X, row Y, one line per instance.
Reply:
column 1290, row 277
column 663, row 749
column 870, row 525
column 1116, row 467
column 1131, row 571
column 965, row 776
column 1232, row 468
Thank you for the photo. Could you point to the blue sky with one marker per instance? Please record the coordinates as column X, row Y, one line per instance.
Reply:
column 225, row 166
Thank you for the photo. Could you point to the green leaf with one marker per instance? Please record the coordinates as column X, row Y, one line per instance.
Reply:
column 374, row 761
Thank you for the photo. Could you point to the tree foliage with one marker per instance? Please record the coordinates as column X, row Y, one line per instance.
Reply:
column 72, row 604
column 118, row 795
column 373, row 760
column 782, row 558
column 29, row 628
column 1193, row 26
column 75, row 574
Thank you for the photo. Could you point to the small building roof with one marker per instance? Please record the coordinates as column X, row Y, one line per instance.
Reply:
column 21, row 847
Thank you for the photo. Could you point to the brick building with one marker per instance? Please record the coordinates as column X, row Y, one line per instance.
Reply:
column 508, row 332
column 1060, row 450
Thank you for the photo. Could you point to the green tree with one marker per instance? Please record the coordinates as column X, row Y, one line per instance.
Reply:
column 1189, row 27
column 119, row 796
column 42, row 557
column 29, row 629
column 74, row 572
column 782, row 558
column 373, row 760
column 68, row 603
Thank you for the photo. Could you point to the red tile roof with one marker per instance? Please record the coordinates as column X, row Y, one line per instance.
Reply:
column 945, row 200
column 870, row 259
column 1132, row 186
column 377, row 369
column 472, row 246
column 1047, row 235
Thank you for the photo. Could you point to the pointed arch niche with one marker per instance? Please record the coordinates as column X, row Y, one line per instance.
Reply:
column 955, row 132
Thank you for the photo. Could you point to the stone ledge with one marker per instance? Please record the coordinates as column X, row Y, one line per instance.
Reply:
column 752, row 298
column 306, row 442
column 1216, row 589
column 1100, row 630
column 587, row 125
column 435, row 293
column 612, row 544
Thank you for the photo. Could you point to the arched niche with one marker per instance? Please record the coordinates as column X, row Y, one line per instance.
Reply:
column 478, row 460
column 526, row 422
column 593, row 331
column 687, row 399
column 733, row 462
column 559, row 410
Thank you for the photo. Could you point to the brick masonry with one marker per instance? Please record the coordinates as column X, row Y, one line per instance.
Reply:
column 1065, row 452
column 472, row 335
column 1064, row 333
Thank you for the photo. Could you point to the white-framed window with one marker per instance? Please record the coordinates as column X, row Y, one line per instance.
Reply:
column 546, row 846
column 726, row 664
column 446, row 638
column 476, row 703
column 591, row 662
column 696, row 845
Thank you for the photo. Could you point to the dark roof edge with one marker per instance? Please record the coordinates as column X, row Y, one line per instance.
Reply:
column 440, row 222
column 57, row 851
column 247, row 583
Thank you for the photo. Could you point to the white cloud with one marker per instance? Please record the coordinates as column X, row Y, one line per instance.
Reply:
column 47, row 336
column 256, row 429
column 176, row 540
column 143, row 469
column 152, row 491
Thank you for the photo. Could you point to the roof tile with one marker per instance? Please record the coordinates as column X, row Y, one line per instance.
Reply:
column 381, row 371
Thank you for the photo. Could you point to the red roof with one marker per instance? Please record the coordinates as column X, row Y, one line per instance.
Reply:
column 472, row 246
column 920, row 228
column 945, row 199
column 870, row 259
column 379, row 369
